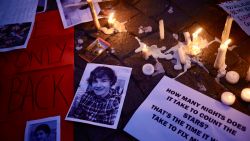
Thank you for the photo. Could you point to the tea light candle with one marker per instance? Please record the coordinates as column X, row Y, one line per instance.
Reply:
column 227, row 28
column 228, row 98
column 94, row 15
column 248, row 74
column 232, row 77
column 245, row 94
column 111, row 20
column 221, row 56
column 148, row 69
column 161, row 28
column 145, row 52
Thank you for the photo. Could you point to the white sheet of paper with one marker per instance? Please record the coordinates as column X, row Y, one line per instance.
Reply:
column 72, row 16
column 17, row 12
column 176, row 112
column 240, row 11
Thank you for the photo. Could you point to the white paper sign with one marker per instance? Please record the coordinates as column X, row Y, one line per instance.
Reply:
column 240, row 11
column 176, row 112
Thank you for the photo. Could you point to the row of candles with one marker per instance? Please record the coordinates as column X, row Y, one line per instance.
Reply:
column 194, row 49
column 232, row 77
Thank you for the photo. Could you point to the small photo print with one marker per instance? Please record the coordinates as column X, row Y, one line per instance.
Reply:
column 46, row 129
column 95, row 49
column 12, row 35
column 100, row 95
column 74, row 12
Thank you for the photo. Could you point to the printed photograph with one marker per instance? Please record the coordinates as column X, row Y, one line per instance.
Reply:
column 100, row 95
column 74, row 12
column 46, row 129
column 13, row 35
column 94, row 50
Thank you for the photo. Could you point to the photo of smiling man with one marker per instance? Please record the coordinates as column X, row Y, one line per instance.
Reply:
column 100, row 96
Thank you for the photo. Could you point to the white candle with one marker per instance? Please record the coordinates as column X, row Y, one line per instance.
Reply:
column 245, row 94
column 232, row 77
column 187, row 37
column 145, row 52
column 228, row 98
column 161, row 28
column 221, row 56
column 148, row 69
column 111, row 20
column 248, row 74
column 94, row 15
column 227, row 28
column 182, row 54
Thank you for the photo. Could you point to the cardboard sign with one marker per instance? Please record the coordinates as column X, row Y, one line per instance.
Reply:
column 176, row 112
column 240, row 11
column 37, row 82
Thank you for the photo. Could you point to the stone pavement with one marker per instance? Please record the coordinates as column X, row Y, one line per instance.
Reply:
column 187, row 15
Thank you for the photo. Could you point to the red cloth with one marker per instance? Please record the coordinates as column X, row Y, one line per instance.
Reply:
column 37, row 82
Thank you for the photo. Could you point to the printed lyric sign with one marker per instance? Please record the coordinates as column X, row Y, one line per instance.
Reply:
column 100, row 95
column 37, row 82
column 176, row 112
column 240, row 11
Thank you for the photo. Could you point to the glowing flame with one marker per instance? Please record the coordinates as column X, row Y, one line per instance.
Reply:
column 145, row 48
column 227, row 42
column 197, row 32
column 111, row 19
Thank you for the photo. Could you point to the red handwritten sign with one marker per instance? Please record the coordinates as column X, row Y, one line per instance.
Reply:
column 37, row 82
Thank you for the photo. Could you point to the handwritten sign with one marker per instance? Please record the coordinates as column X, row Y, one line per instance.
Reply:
column 37, row 82
column 176, row 112
column 240, row 11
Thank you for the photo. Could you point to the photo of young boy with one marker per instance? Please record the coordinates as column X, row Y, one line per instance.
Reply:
column 100, row 96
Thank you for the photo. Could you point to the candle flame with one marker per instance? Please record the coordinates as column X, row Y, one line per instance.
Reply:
column 227, row 42
column 144, row 48
column 111, row 18
column 196, row 33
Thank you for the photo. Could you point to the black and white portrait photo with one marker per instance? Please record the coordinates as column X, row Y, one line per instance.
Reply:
column 46, row 129
column 100, row 95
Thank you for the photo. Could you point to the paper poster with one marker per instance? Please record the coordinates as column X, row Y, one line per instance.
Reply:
column 175, row 112
column 16, row 24
column 74, row 12
column 38, row 82
column 240, row 11
column 100, row 95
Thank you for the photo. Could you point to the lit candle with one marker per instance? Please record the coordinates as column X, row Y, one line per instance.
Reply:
column 245, row 94
column 227, row 28
column 148, row 69
column 161, row 28
column 228, row 98
column 94, row 15
column 221, row 56
column 196, row 34
column 182, row 54
column 111, row 20
column 248, row 74
column 145, row 52
column 232, row 77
